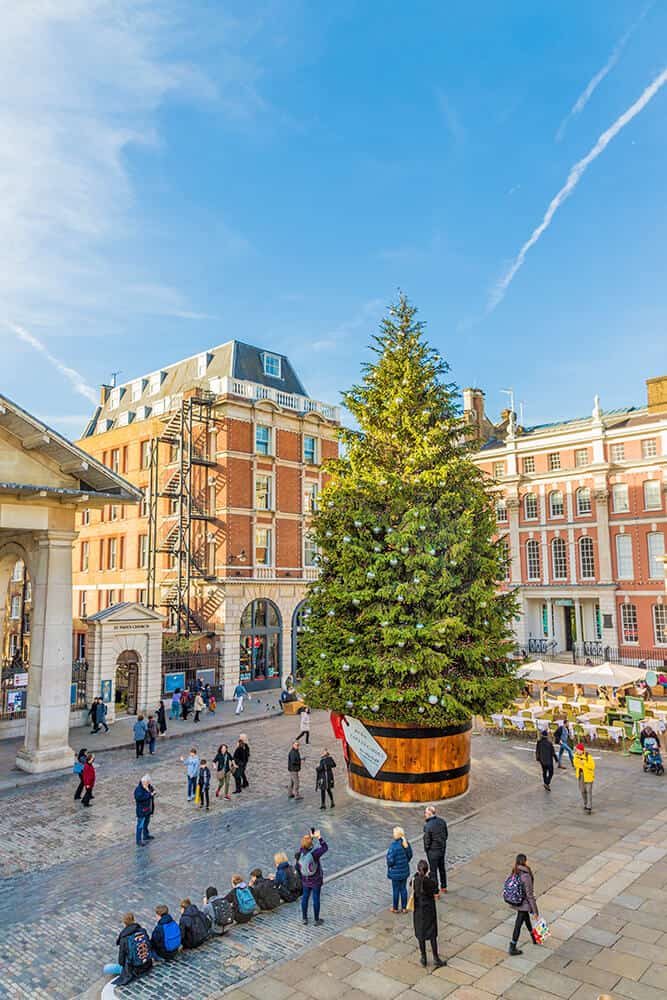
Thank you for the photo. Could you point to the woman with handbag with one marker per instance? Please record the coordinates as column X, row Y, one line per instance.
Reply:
column 526, row 906
column 425, row 917
column 399, row 857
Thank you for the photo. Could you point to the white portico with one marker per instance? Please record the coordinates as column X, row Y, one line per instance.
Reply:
column 125, row 658
column 44, row 480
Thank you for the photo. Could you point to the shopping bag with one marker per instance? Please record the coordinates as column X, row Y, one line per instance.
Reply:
column 198, row 795
column 540, row 931
column 411, row 902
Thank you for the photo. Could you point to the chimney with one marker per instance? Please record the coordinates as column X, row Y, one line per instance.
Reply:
column 473, row 409
column 104, row 393
column 656, row 391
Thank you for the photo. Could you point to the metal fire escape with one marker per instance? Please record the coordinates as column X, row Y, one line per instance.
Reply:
column 187, row 433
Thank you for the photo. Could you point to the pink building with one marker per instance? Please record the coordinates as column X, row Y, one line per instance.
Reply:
column 581, row 508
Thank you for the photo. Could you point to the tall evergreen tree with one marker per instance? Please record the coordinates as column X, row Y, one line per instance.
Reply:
column 406, row 623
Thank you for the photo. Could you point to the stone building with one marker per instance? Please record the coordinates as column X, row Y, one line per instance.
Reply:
column 227, row 448
column 580, row 505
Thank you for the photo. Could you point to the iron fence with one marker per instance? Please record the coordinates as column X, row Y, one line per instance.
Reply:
column 14, row 688
column 594, row 651
column 78, row 688
column 179, row 670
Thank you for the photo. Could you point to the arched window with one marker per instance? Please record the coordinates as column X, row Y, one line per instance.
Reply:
column 559, row 559
column 629, row 629
column 530, row 507
column 586, row 558
column 533, row 559
column 299, row 623
column 583, row 500
column 556, row 504
column 261, row 640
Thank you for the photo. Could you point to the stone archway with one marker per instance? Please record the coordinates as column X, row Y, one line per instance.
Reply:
column 261, row 645
column 126, row 683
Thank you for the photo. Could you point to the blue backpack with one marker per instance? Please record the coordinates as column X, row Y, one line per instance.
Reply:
column 245, row 900
column 172, row 936
column 139, row 951
column 514, row 891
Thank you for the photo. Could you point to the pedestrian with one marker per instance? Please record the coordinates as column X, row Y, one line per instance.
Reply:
column 324, row 777
column 88, row 776
column 224, row 762
column 241, row 758
column 425, row 917
column 264, row 890
column 242, row 900
column 240, row 692
column 152, row 733
column 562, row 741
column 161, row 718
column 92, row 715
column 166, row 936
column 527, row 906
column 140, row 730
column 435, row 845
column 78, row 770
column 399, row 857
column 185, row 704
column 101, row 716
column 304, row 724
column 175, row 704
column 218, row 911
column 313, row 846
column 206, row 693
column 134, row 952
column 584, row 768
column 194, row 925
column 192, row 772
column 143, row 800
column 293, row 769
column 546, row 755
column 198, row 705
column 204, row 779
column 287, row 878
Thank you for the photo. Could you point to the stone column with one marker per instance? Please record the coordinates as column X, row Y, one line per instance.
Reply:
column 604, row 547
column 515, row 545
column 46, row 744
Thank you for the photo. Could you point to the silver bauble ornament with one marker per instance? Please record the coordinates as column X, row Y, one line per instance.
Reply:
column 404, row 549
column 393, row 562
column 370, row 575
column 433, row 699
column 323, row 656
column 346, row 538
column 419, row 625
column 346, row 666
column 358, row 524
column 420, row 710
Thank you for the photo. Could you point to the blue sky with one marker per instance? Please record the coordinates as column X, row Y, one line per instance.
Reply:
column 178, row 174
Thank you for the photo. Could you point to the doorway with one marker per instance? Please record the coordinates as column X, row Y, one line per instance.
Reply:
column 127, row 683
column 570, row 628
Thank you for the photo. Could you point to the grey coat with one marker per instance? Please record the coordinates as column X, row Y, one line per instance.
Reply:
column 529, row 904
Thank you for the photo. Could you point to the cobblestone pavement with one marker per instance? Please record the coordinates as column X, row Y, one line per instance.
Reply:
column 71, row 873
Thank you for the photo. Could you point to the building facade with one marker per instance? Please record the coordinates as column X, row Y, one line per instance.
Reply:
column 580, row 507
column 227, row 448
column 18, row 608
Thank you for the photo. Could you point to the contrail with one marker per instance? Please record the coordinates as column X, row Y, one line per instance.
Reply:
column 573, row 179
column 76, row 380
column 595, row 82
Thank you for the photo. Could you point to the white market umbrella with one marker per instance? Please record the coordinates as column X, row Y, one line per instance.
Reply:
column 604, row 675
column 540, row 671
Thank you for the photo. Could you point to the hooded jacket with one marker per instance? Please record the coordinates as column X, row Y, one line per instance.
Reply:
column 398, row 860
column 584, row 766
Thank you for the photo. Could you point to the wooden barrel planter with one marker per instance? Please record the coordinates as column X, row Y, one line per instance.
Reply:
column 422, row 765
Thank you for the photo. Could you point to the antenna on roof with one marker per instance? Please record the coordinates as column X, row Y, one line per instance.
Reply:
column 522, row 403
column 510, row 393
column 114, row 377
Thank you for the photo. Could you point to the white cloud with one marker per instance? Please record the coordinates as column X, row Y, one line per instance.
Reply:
column 75, row 378
column 596, row 80
column 573, row 179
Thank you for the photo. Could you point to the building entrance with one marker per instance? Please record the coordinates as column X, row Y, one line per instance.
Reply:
column 570, row 628
column 127, row 683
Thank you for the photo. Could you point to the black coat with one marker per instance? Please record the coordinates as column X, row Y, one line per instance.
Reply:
column 162, row 719
column 425, row 917
column 293, row 760
column 435, row 835
column 194, row 926
column 242, row 755
column 223, row 762
column 128, row 973
column 544, row 751
column 324, row 773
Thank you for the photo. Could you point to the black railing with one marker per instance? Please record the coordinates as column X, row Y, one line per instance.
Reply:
column 594, row 651
column 13, row 689
column 179, row 670
column 78, row 689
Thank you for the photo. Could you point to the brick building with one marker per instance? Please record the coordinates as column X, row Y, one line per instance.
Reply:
column 18, row 608
column 580, row 505
column 227, row 448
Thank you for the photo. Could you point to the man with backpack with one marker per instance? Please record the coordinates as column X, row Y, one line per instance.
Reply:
column 134, row 952
column 166, row 936
column 241, row 757
column 242, row 900
column 264, row 890
column 193, row 924
column 218, row 911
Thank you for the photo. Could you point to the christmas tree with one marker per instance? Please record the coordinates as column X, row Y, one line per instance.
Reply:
column 405, row 623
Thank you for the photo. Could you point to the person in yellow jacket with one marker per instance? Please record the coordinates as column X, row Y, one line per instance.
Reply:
column 584, row 767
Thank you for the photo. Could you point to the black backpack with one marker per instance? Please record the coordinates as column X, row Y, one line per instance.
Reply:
column 292, row 887
column 139, row 952
column 223, row 911
column 267, row 894
column 195, row 931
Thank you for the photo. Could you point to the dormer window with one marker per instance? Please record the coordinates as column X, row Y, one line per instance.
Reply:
column 154, row 383
column 137, row 389
column 272, row 365
column 114, row 398
column 202, row 364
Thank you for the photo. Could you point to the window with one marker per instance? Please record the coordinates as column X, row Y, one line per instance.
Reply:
column 113, row 512
column 620, row 498
column 28, row 592
column 617, row 452
column 263, row 499
column 137, row 389
column 530, row 506
column 85, row 553
column 143, row 505
column 309, row 550
column 112, row 553
column 652, row 494
column 624, row 559
column 533, row 559
column 143, row 551
column 111, row 598
column 173, row 505
column 141, row 596
column 554, row 460
column 556, row 504
column 154, row 384
column 145, row 454
column 13, row 644
column 15, row 608
column 649, row 448
column 559, row 559
column 202, row 364
column 586, row 558
column 309, row 450
column 17, row 575
column 580, row 457
column 506, row 557
column 583, row 500
column 501, row 511
column 83, row 603
column 85, row 515
column 656, row 548
column 81, row 646
column 262, row 546
column 660, row 624
column 262, row 439
column 272, row 365
column 114, row 398
column 115, row 459
column 529, row 464
column 498, row 470
column 311, row 498
column 629, row 630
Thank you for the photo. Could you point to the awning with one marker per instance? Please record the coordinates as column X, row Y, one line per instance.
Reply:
column 538, row 670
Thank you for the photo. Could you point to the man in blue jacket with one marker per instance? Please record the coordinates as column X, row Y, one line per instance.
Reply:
column 166, row 936
column 143, row 797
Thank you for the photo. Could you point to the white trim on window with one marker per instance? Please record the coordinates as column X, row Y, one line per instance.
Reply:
column 625, row 568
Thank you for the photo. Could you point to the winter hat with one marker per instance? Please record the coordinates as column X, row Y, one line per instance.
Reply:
column 580, row 746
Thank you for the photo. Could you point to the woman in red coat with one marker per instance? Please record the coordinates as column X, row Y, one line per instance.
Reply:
column 88, row 777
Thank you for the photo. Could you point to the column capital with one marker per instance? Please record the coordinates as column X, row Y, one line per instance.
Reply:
column 55, row 539
column 601, row 494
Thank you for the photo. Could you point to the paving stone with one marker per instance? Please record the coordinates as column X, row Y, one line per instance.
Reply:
column 655, row 975
column 522, row 991
column 433, row 987
column 551, row 982
column 318, row 986
column 482, row 954
column 471, row 993
column 592, row 975
column 597, row 936
column 631, row 946
column 638, row 991
column 497, row 980
column 267, row 984
column 630, row 966
column 374, row 984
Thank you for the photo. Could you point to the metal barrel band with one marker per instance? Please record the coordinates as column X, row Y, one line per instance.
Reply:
column 417, row 733
column 411, row 778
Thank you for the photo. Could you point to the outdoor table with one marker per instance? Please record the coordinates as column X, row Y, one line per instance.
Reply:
column 498, row 719
column 532, row 711
column 615, row 732
column 517, row 720
column 660, row 714
column 590, row 729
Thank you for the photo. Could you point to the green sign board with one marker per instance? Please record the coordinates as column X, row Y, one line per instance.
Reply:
column 634, row 707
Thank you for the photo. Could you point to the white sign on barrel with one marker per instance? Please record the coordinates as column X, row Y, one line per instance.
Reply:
column 368, row 750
